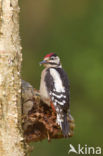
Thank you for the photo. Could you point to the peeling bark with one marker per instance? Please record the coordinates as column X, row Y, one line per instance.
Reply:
column 11, row 138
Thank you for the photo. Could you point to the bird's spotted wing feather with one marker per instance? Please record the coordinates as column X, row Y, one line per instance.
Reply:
column 58, row 87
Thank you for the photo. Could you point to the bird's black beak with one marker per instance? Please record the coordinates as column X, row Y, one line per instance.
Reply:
column 43, row 62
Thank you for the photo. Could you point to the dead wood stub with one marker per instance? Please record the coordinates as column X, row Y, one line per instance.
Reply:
column 43, row 124
column 40, row 121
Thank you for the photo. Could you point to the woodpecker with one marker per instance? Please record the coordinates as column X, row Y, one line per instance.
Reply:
column 55, row 90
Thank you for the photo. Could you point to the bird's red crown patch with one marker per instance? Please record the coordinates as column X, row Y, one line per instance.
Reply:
column 49, row 55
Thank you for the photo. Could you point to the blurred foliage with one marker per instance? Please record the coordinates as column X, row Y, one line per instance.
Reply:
column 74, row 31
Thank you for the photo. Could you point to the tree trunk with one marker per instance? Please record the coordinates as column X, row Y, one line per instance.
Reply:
column 11, row 138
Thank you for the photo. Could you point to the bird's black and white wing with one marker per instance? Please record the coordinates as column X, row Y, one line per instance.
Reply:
column 58, row 87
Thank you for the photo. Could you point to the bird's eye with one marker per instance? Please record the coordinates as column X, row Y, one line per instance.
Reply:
column 51, row 58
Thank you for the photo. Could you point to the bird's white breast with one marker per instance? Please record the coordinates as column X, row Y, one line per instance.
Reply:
column 43, row 89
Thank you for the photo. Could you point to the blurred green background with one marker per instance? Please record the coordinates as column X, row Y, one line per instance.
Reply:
column 73, row 29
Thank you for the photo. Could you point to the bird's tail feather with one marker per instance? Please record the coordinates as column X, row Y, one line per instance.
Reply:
column 65, row 125
column 63, row 122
